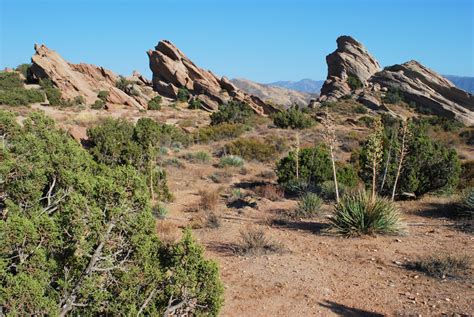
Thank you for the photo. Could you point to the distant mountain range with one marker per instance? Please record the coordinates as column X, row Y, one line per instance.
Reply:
column 464, row 83
column 314, row 86
column 305, row 85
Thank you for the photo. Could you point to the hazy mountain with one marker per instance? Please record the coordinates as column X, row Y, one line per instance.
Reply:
column 464, row 83
column 305, row 85
column 273, row 94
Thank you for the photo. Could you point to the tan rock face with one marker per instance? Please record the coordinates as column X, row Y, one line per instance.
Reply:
column 350, row 58
column 428, row 89
column 84, row 80
column 173, row 70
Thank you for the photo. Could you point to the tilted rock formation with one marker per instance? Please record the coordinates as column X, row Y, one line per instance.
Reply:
column 173, row 70
column 84, row 80
column 428, row 89
column 350, row 58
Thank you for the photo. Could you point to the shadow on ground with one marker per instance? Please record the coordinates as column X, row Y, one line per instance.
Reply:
column 346, row 311
column 310, row 226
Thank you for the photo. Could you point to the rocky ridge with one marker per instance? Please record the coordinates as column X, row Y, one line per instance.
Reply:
column 86, row 80
column 416, row 83
column 172, row 70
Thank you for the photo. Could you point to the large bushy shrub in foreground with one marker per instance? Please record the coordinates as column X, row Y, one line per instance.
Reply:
column 78, row 237
column 359, row 214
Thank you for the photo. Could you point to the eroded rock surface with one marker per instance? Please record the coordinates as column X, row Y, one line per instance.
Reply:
column 172, row 70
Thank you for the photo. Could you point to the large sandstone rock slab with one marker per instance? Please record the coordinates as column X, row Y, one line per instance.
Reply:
column 428, row 89
column 173, row 70
column 84, row 80
column 350, row 58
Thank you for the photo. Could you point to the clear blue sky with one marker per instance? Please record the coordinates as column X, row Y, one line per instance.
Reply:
column 262, row 40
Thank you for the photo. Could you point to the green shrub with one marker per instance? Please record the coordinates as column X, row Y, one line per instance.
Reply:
column 297, row 186
column 10, row 81
column 127, row 86
column 393, row 96
column 347, row 175
column 354, row 82
column 293, row 118
column 231, row 160
column 20, row 96
column 358, row 214
column 309, row 205
column 97, row 225
column 23, row 69
column 195, row 104
column 327, row 190
column 467, row 203
column 366, row 121
column 99, row 104
column 183, row 94
column 232, row 112
column 223, row 131
column 251, row 149
column 155, row 103
column 103, row 95
column 159, row 211
column 361, row 109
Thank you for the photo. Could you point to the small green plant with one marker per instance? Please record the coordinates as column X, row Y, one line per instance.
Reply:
column 99, row 104
column 231, row 160
column 327, row 190
column 393, row 96
column 232, row 112
column 442, row 266
column 155, row 103
column 467, row 204
column 253, row 241
column 103, row 95
column 309, row 205
column 127, row 86
column 199, row 157
column 361, row 109
column 183, row 94
column 195, row 104
column 354, row 82
column 160, row 211
column 360, row 214
column 293, row 118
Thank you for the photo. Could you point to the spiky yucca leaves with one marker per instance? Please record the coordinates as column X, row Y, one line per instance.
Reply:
column 360, row 214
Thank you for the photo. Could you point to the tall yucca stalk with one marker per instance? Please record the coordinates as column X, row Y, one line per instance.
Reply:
column 375, row 151
column 403, row 151
column 329, row 137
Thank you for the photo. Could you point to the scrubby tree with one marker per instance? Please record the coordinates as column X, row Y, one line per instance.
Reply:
column 293, row 118
column 78, row 237
column 232, row 112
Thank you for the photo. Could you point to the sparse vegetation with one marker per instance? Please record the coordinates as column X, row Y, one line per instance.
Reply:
column 293, row 118
column 198, row 157
column 209, row 199
column 195, row 104
column 103, row 95
column 251, row 149
column 253, row 241
column 219, row 132
column 270, row 191
column 442, row 266
column 99, row 104
column 52, row 93
column 360, row 214
column 393, row 96
column 467, row 202
column 127, row 86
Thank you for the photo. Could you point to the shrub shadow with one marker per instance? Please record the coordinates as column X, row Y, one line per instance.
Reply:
column 226, row 249
column 346, row 311
column 310, row 226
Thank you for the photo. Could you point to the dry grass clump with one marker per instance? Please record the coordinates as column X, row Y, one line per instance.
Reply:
column 209, row 199
column 271, row 192
column 443, row 266
column 205, row 219
column 168, row 231
column 253, row 241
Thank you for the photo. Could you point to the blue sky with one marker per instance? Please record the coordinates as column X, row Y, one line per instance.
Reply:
column 261, row 40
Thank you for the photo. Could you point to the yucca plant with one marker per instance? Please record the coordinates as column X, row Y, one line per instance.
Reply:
column 360, row 214
column 309, row 206
column 231, row 160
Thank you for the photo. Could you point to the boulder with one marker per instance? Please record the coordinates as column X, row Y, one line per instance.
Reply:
column 173, row 70
column 83, row 80
column 350, row 58
column 428, row 89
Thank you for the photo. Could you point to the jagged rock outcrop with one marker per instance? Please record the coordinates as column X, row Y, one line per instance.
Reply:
column 85, row 80
column 428, row 89
column 173, row 70
column 350, row 58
